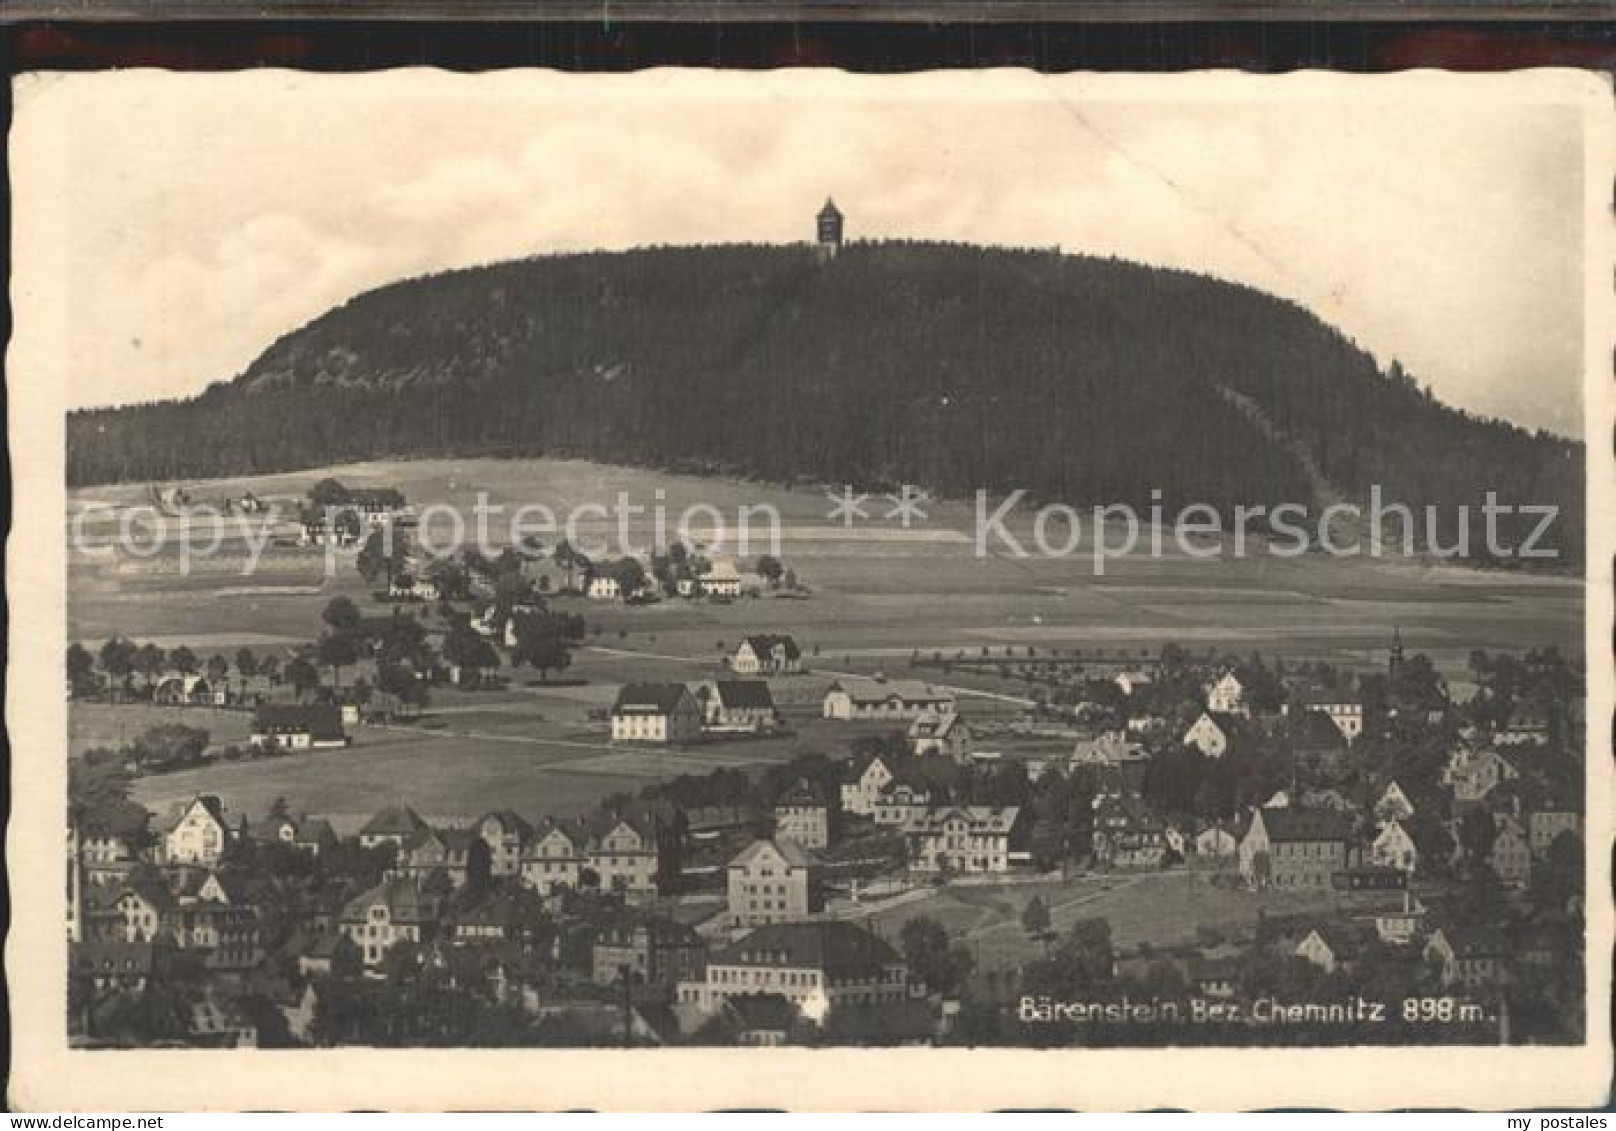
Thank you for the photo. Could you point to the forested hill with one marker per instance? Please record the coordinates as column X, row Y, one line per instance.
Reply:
column 949, row 366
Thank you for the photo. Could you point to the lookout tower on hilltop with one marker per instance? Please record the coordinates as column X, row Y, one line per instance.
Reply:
column 830, row 231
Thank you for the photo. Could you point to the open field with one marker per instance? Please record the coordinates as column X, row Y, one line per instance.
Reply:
column 1158, row 908
column 880, row 592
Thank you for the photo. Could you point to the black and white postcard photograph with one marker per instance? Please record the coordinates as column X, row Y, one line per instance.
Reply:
column 798, row 589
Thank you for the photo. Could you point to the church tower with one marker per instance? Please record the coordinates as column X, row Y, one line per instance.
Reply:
column 830, row 231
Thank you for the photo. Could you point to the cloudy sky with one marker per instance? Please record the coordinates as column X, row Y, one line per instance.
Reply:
column 190, row 220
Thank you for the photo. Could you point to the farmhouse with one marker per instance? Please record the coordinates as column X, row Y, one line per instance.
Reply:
column 802, row 817
column 934, row 733
column 965, row 838
column 603, row 587
column 722, row 580
column 655, row 712
column 393, row 825
column 883, row 699
column 1294, row 848
column 816, row 966
column 180, row 690
column 737, row 705
column 772, row 881
column 1108, row 748
column 767, row 655
column 287, row 726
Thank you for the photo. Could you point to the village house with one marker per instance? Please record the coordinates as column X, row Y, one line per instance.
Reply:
column 1546, row 826
column 1226, row 695
column 1131, row 681
column 737, row 706
column 1210, row 733
column 816, row 966
column 969, row 839
column 1525, row 729
column 722, row 580
column 393, row 911
column 1346, row 712
column 201, row 917
column 1216, row 843
column 603, row 587
column 1315, row 742
column 622, row 852
column 429, row 851
column 177, row 689
column 1126, row 833
column 1473, row 774
column 1108, row 748
column 505, row 833
column 901, row 801
column 653, row 951
column 553, row 859
column 109, row 834
column 767, row 655
column 289, row 726
column 655, row 712
column 1394, row 804
column 801, row 816
column 1335, row 946
column 1294, row 848
column 932, row 733
column 111, row 966
column 196, row 832
column 312, row 835
column 884, row 699
column 1397, row 916
column 772, row 881
column 403, row 587
column 1470, row 958
column 393, row 825
column 1394, row 848
column 1510, row 856
column 863, row 784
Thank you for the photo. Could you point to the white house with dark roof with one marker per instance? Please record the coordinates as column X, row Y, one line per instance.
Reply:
column 1226, row 695
column 743, row 705
column 290, row 726
column 393, row 911
column 656, row 712
column 766, row 654
column 722, row 580
column 395, row 825
column 816, row 966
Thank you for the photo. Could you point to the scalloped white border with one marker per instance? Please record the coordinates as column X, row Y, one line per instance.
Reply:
column 46, row 1075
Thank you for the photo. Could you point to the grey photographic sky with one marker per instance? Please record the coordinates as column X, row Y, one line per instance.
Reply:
column 194, row 219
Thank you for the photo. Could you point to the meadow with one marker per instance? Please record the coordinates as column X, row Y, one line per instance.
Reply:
column 879, row 592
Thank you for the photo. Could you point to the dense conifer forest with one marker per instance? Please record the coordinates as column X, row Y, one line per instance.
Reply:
column 950, row 366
